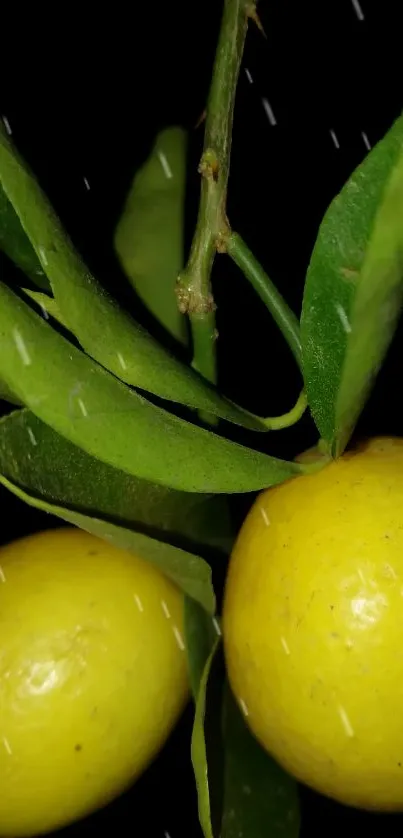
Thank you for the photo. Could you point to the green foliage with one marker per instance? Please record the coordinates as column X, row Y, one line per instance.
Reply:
column 7, row 395
column 199, row 749
column 257, row 792
column 149, row 235
column 90, row 407
column 354, row 290
column 166, row 527
column 200, row 635
column 47, row 305
column 281, row 313
column 89, row 448
column 254, row 793
column 106, row 332
column 14, row 242
column 188, row 571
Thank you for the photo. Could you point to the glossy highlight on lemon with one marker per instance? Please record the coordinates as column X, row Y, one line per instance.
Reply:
column 93, row 675
column 313, row 625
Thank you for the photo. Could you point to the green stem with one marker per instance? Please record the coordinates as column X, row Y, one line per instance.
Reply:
column 194, row 286
column 277, row 423
column 204, row 334
column 204, row 355
column 285, row 318
column 286, row 420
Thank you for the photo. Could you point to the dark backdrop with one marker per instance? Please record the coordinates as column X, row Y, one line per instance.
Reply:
column 84, row 92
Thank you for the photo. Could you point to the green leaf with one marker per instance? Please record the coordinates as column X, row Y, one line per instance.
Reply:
column 47, row 465
column 106, row 332
column 260, row 799
column 200, row 635
column 46, row 471
column 15, row 243
column 241, row 790
column 47, row 305
column 7, row 395
column 149, row 234
column 199, row 750
column 354, row 291
column 188, row 571
column 90, row 407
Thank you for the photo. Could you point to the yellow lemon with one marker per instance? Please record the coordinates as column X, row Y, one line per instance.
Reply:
column 92, row 675
column 313, row 625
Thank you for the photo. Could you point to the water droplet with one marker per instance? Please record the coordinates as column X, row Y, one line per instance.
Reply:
column 345, row 722
column 122, row 361
column 179, row 638
column 21, row 348
column 165, row 165
column 285, row 646
column 32, row 436
column 139, row 603
column 265, row 516
column 217, row 626
column 165, row 609
column 343, row 318
column 334, row 138
column 361, row 576
column 269, row 111
column 7, row 125
column 358, row 10
column 44, row 311
column 42, row 255
column 243, row 707
column 82, row 407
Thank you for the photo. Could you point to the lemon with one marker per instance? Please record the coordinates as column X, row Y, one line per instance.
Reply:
column 92, row 675
column 313, row 625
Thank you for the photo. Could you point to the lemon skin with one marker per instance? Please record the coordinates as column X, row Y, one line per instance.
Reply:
column 93, row 675
column 313, row 626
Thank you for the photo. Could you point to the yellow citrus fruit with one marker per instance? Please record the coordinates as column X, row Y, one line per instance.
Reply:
column 92, row 675
column 313, row 625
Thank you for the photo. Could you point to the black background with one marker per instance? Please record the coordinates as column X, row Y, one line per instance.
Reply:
column 84, row 92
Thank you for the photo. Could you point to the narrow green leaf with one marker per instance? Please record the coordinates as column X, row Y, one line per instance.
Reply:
column 260, row 799
column 189, row 572
column 354, row 291
column 15, row 243
column 48, row 472
column 149, row 234
column 241, row 790
column 90, row 407
column 199, row 750
column 201, row 632
column 45, row 464
column 7, row 395
column 106, row 332
column 47, row 305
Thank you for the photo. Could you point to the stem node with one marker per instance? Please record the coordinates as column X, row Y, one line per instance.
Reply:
column 190, row 298
column 209, row 165
column 222, row 239
column 193, row 285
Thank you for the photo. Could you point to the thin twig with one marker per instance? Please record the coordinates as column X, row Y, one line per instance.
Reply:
column 194, row 284
column 282, row 314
